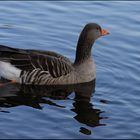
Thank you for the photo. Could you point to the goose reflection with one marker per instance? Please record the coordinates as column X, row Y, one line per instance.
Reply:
column 33, row 96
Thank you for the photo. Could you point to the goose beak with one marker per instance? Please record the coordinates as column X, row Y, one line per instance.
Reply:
column 104, row 32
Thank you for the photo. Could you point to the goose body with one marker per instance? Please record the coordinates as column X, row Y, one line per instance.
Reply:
column 37, row 67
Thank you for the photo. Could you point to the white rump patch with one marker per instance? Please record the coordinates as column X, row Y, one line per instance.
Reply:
column 9, row 71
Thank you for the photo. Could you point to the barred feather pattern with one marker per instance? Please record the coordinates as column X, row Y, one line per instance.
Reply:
column 47, row 71
column 37, row 67
column 40, row 77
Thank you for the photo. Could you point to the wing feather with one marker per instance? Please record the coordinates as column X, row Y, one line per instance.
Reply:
column 28, row 60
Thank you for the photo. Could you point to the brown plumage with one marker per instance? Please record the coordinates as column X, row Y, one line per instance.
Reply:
column 49, row 68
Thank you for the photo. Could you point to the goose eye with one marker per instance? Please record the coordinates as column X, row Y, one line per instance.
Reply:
column 97, row 28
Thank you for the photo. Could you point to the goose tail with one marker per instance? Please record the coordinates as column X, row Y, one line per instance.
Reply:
column 7, row 70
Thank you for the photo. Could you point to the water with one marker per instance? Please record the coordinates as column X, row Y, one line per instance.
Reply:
column 112, row 110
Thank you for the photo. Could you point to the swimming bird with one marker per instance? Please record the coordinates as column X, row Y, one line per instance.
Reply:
column 38, row 67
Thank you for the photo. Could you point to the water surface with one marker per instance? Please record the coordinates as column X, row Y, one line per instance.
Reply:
column 105, row 108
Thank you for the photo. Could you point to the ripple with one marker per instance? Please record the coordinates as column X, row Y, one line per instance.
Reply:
column 113, row 110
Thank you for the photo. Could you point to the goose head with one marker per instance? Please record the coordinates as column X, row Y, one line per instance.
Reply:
column 89, row 34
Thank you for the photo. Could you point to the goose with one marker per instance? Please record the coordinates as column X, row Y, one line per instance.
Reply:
column 38, row 67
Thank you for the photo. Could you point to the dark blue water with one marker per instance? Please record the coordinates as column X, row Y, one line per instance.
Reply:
column 112, row 110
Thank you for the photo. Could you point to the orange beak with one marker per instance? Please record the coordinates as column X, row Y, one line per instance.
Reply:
column 104, row 32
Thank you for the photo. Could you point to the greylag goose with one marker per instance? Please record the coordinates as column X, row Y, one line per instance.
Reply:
column 37, row 67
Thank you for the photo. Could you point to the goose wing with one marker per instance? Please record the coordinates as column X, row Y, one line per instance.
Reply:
column 28, row 60
column 50, row 53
